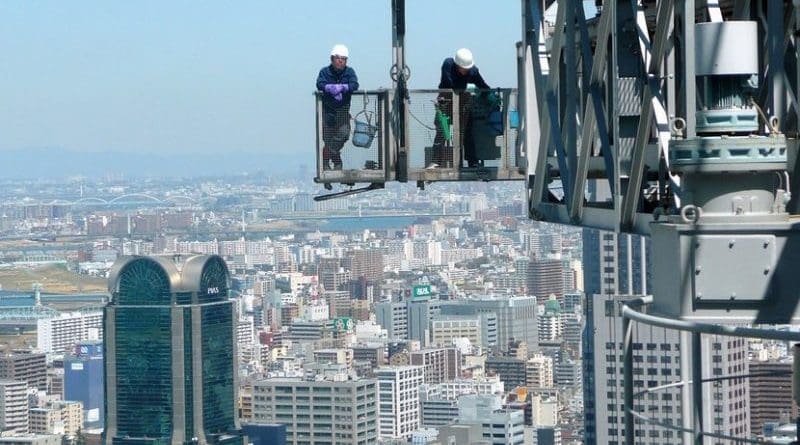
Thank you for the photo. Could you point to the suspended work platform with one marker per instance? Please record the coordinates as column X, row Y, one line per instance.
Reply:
column 436, row 135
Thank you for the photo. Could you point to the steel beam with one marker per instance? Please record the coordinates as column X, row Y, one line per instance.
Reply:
column 571, row 98
column 549, row 125
column 775, row 42
column 399, row 70
column 651, row 95
column 529, row 99
column 689, row 87
column 594, row 119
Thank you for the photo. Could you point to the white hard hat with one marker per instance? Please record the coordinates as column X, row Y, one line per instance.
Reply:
column 464, row 58
column 340, row 50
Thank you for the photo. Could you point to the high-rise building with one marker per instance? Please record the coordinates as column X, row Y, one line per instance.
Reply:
column 420, row 311
column 544, row 414
column 84, row 380
column 26, row 366
column 436, row 411
column 319, row 412
column 539, row 372
column 615, row 264
column 656, row 357
column 170, row 353
column 572, row 331
column 59, row 334
column 459, row 387
column 441, row 364
column 550, row 323
column 605, row 254
column 398, row 396
column 331, row 274
column 439, row 403
column 289, row 312
column 304, row 330
column 446, row 328
column 567, row 372
column 615, row 271
column 338, row 356
column 499, row 426
column 550, row 242
column 409, row 319
column 510, row 370
column 339, row 302
column 546, row 278
column 393, row 316
column 571, row 301
column 515, row 317
column 770, row 393
column 374, row 353
column 365, row 264
column 13, row 407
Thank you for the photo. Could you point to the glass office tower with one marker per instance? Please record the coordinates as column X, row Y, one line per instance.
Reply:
column 170, row 353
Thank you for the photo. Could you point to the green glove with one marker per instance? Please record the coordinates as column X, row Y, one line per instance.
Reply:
column 444, row 124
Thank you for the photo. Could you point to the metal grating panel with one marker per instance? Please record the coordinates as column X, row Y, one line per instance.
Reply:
column 366, row 163
column 630, row 96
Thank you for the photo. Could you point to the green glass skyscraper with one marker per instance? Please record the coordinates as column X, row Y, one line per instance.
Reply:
column 170, row 353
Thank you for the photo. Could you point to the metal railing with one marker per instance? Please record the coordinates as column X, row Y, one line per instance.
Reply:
column 463, row 129
column 692, row 413
column 447, row 136
column 353, row 143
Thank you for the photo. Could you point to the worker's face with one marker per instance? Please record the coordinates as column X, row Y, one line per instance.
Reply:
column 461, row 70
column 338, row 62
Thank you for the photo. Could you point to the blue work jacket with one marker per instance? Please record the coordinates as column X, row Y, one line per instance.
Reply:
column 452, row 79
column 329, row 75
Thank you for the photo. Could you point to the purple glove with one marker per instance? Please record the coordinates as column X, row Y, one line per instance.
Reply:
column 332, row 88
column 336, row 90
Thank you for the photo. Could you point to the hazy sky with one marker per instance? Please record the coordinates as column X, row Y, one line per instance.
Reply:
column 200, row 76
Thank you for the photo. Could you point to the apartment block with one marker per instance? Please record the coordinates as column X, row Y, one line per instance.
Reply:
column 399, row 413
column 26, row 366
column 13, row 407
column 60, row 334
column 319, row 412
column 60, row 417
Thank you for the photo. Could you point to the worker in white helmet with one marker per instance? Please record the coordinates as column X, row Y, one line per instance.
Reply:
column 337, row 82
column 457, row 73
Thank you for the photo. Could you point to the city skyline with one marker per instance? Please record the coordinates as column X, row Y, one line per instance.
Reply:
column 172, row 272
column 457, row 288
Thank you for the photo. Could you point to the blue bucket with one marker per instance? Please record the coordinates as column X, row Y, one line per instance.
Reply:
column 363, row 134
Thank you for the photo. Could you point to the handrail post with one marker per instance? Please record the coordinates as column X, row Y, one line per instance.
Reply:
column 796, row 385
column 627, row 373
column 697, row 388
column 686, row 392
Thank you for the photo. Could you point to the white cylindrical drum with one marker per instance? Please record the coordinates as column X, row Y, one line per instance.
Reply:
column 726, row 48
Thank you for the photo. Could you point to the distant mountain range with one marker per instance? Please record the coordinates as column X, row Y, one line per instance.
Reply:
column 61, row 163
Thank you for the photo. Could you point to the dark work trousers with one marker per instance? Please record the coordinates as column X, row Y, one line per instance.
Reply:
column 441, row 154
column 335, row 132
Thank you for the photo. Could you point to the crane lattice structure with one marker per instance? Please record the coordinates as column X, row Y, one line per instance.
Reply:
column 678, row 120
